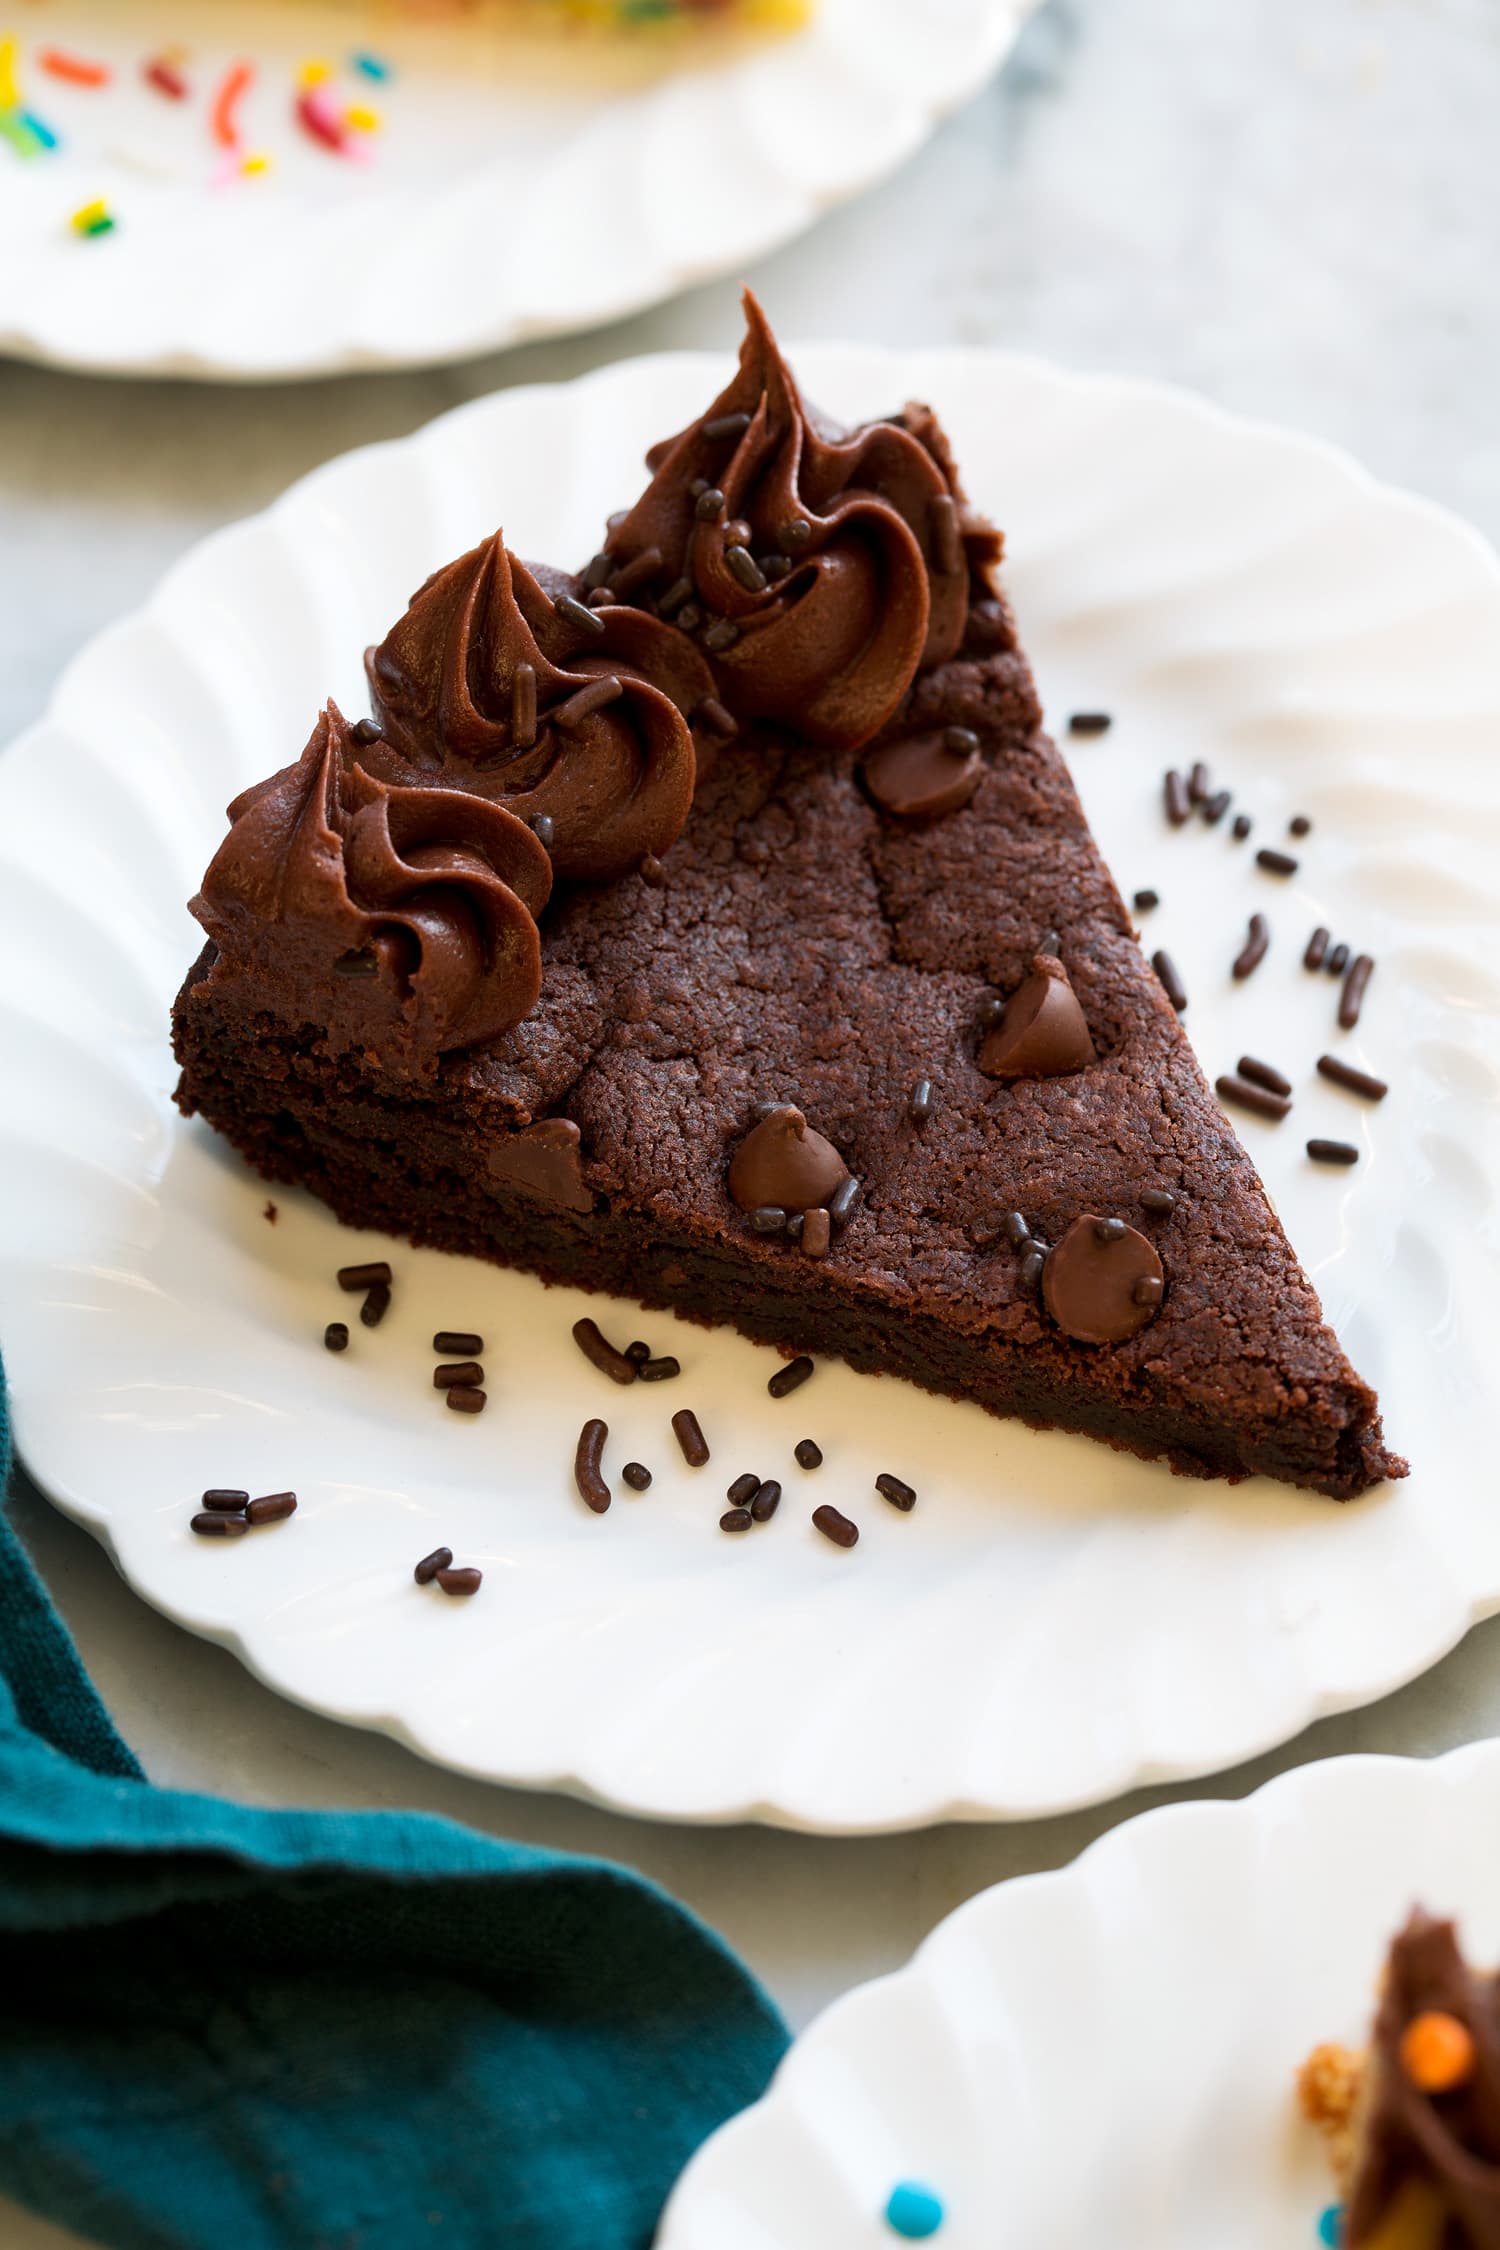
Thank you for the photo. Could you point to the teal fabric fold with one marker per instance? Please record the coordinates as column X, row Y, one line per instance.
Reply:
column 228, row 2028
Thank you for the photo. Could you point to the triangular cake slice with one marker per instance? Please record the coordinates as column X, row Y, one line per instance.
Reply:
column 833, row 1026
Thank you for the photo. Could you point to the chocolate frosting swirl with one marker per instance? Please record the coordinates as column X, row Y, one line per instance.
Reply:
column 1449, row 2142
column 830, row 566
column 478, row 686
column 400, row 921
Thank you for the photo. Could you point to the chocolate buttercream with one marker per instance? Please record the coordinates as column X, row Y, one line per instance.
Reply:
column 571, row 715
column 828, row 565
column 1449, row 2142
column 398, row 922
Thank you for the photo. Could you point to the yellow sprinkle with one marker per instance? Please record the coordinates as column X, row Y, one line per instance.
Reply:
column 89, row 214
column 257, row 163
column 314, row 73
column 363, row 120
column 10, row 92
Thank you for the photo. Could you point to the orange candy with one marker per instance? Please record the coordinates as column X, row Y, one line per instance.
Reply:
column 1437, row 2052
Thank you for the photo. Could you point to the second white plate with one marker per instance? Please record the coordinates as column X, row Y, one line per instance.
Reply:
column 1055, row 1622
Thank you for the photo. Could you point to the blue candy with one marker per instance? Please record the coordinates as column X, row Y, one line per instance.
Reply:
column 1331, row 2226
column 913, row 2211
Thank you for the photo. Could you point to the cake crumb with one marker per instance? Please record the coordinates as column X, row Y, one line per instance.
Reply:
column 269, row 1213
column 1329, row 2085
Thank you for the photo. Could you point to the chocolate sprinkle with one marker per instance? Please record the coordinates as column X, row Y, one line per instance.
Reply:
column 1351, row 999
column 1171, row 983
column 1109, row 1230
column 990, row 1013
column 1317, row 948
column 652, row 872
column 807, row 1453
column 1017, row 1232
column 1299, row 825
column 358, row 964
column 842, row 1201
column 1333, row 1152
column 637, row 1476
column 962, row 741
column 428, row 1568
column 768, row 1218
column 454, row 1371
column 1145, row 900
column 1253, row 951
column 689, row 1435
column 576, row 613
column 743, row 1489
column 1241, row 826
column 587, row 701
column 1215, row 807
column 1337, row 961
column 636, row 572
column 466, row 1580
column 766, row 1502
column 1161, row 1200
column 1357, row 1081
column 663, row 1370
column 222, row 1496
column 794, row 533
column 815, row 1233
column 637, row 1351
column 1175, row 795
column 601, row 1353
column 1199, row 782
column 336, row 1337
column 726, row 426
column 742, row 565
column 364, row 1277
column 836, row 1527
column 1264, row 1103
column 457, row 1343
column 709, row 505
column 675, row 595
column 735, row 1519
column 1147, row 1290
column 711, row 713
column 1090, row 722
column 587, row 1475
column 544, row 828
column 1262, row 1074
column 776, row 567
column 365, row 731
column 902, row 1496
column 919, row 1109
column 376, row 1305
column 790, row 1378
column 597, row 569
column 272, row 1507
column 209, row 1526
column 1276, row 863
column 722, row 634
column 465, row 1398
column 1029, row 1271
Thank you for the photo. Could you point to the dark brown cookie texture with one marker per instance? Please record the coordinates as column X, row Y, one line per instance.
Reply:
column 710, row 1105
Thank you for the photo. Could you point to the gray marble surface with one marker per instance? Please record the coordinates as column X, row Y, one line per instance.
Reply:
column 1289, row 204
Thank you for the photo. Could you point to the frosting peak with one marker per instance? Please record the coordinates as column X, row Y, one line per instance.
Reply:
column 400, row 921
column 519, row 692
column 820, row 569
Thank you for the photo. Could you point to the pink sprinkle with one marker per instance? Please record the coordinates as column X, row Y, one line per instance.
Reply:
column 317, row 116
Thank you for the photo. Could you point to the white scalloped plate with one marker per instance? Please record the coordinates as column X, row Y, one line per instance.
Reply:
column 1106, row 2054
column 1055, row 1622
column 519, row 188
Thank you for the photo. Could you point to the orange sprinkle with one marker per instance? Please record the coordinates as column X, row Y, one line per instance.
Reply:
column 1437, row 2052
column 237, row 82
column 73, row 68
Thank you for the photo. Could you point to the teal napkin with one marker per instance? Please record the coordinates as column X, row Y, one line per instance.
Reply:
column 230, row 2029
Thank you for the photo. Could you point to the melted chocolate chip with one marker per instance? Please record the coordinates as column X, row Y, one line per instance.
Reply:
column 1089, row 1285
column 1043, row 1032
column 920, row 776
column 546, row 1160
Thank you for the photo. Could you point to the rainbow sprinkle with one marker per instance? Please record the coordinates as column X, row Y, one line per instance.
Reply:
column 1331, row 2226
column 93, row 218
column 363, row 120
column 10, row 91
column 370, row 66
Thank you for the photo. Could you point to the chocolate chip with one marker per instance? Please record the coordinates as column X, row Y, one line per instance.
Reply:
column 545, row 1160
column 1043, row 1032
column 782, row 1162
column 1089, row 1282
column 919, row 777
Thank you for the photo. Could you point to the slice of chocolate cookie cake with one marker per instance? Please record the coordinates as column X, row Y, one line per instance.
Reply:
column 718, row 927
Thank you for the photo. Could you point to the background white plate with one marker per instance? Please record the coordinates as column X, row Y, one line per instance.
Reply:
column 1055, row 1622
column 518, row 189
column 1106, row 2054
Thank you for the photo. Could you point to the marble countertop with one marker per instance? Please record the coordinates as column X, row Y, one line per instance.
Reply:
column 1290, row 208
